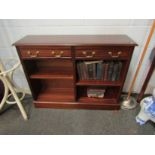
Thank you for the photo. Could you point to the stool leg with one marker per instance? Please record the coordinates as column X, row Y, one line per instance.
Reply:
column 17, row 100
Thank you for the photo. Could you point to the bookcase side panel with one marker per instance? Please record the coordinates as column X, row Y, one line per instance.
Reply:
column 126, row 70
column 26, row 73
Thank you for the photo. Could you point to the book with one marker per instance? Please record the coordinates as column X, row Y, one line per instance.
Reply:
column 119, row 70
column 85, row 71
column 78, row 70
column 110, row 70
column 91, row 69
column 94, row 71
column 103, row 70
column 81, row 70
column 115, row 71
column 99, row 70
column 106, row 67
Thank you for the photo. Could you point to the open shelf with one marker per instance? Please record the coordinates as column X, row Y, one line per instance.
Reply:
column 110, row 95
column 98, row 83
column 51, row 75
column 49, row 69
column 56, row 94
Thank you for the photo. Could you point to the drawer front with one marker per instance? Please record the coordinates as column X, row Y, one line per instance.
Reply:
column 105, row 53
column 31, row 53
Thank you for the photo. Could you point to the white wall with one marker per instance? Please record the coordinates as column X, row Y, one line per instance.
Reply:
column 138, row 30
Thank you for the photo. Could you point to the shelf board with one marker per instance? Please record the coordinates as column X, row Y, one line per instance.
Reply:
column 56, row 94
column 98, row 83
column 51, row 75
column 104, row 100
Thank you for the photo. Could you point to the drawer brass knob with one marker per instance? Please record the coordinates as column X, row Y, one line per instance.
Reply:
column 53, row 52
column 84, row 52
column 110, row 53
column 114, row 56
column 120, row 52
column 89, row 55
column 61, row 52
column 29, row 53
column 37, row 52
column 93, row 53
column 57, row 54
column 33, row 55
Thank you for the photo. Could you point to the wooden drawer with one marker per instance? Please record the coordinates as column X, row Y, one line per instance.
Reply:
column 104, row 52
column 45, row 53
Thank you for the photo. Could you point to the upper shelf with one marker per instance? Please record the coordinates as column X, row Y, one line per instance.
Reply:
column 51, row 75
column 75, row 40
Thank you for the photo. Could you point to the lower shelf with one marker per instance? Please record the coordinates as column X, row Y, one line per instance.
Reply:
column 107, row 104
column 56, row 94
column 96, row 100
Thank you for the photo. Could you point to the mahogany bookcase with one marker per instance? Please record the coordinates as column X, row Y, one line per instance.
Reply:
column 50, row 66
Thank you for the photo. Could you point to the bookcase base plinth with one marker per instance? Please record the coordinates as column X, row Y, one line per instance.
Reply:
column 111, row 105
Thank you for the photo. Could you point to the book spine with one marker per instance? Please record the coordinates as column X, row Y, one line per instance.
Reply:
column 94, row 71
column 85, row 71
column 119, row 70
column 110, row 71
column 106, row 71
column 115, row 72
column 103, row 70
column 79, row 71
column 90, row 71
column 99, row 71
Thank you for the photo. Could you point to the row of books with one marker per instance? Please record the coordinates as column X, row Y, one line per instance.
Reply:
column 99, row 70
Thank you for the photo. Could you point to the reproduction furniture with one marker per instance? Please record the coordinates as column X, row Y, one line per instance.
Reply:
column 50, row 66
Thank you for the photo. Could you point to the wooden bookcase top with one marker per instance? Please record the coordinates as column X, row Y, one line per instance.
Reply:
column 76, row 40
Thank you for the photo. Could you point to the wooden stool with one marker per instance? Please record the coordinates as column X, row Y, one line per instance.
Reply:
column 10, row 90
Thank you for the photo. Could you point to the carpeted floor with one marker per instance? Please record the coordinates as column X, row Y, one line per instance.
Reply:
column 69, row 122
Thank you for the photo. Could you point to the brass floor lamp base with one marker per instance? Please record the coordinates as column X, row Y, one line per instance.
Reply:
column 127, row 104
